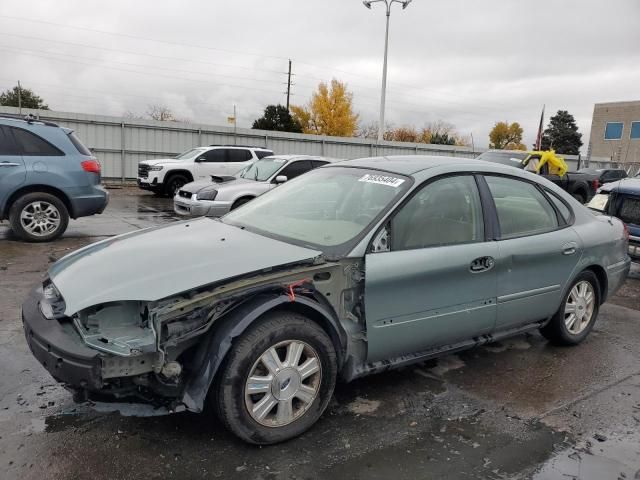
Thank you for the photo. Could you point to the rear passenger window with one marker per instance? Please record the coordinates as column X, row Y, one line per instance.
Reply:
column 6, row 145
column 522, row 209
column 238, row 155
column 263, row 153
column 79, row 145
column 445, row 212
column 30, row 144
column 318, row 163
column 563, row 210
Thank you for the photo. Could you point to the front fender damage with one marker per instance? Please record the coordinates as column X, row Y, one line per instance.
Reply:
column 166, row 353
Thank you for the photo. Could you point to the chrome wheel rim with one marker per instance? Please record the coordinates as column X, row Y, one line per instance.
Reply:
column 40, row 218
column 579, row 307
column 283, row 383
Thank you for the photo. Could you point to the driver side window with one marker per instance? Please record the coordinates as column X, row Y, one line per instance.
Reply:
column 444, row 212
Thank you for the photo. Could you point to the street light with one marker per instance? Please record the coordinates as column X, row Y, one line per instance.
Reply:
column 388, row 3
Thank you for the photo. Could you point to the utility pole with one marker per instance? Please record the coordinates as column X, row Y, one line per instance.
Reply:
column 19, row 98
column 235, row 126
column 289, row 85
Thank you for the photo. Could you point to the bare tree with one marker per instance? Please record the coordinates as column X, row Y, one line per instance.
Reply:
column 161, row 113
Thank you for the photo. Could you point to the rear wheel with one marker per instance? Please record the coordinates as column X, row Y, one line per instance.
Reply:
column 277, row 380
column 579, row 196
column 175, row 183
column 38, row 217
column 576, row 316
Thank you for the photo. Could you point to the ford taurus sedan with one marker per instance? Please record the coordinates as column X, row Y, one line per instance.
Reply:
column 348, row 270
column 224, row 194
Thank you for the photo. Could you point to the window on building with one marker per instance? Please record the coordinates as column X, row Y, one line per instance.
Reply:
column 613, row 131
column 635, row 130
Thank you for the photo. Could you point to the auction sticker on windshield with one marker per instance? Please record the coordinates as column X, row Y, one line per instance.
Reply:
column 382, row 180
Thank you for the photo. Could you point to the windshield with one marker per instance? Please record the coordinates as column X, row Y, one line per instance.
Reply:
column 263, row 169
column 599, row 202
column 190, row 153
column 513, row 159
column 326, row 207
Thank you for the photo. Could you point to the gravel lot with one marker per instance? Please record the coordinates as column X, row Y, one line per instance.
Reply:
column 517, row 409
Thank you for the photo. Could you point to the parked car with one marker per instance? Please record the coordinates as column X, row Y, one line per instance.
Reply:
column 167, row 175
column 605, row 175
column 348, row 270
column 622, row 200
column 223, row 194
column 580, row 185
column 46, row 177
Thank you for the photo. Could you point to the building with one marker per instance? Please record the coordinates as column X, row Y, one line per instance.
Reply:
column 615, row 131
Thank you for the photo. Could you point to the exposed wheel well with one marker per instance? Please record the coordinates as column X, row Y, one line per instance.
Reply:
column 601, row 275
column 318, row 318
column 36, row 189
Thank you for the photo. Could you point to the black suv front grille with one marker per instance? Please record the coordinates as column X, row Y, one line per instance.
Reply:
column 143, row 170
column 184, row 194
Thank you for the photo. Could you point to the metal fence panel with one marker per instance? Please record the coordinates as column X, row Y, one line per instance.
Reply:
column 120, row 143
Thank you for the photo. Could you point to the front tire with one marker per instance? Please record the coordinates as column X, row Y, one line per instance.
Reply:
column 38, row 217
column 277, row 380
column 175, row 183
column 577, row 314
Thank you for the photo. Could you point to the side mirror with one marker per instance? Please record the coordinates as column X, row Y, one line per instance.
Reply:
column 281, row 179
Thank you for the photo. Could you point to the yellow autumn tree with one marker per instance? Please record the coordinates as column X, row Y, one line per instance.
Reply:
column 506, row 136
column 330, row 111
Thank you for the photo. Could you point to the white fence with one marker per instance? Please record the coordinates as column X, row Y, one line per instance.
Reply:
column 120, row 143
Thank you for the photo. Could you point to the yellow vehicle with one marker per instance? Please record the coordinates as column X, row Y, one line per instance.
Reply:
column 582, row 186
column 545, row 162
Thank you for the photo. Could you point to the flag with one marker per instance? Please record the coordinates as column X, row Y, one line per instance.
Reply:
column 539, row 137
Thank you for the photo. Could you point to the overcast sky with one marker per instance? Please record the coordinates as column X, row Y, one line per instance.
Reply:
column 468, row 62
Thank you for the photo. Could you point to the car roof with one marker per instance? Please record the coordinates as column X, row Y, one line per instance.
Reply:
column 409, row 164
column 624, row 185
column 290, row 158
column 23, row 121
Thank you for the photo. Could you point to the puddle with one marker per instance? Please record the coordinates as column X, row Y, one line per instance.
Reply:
column 614, row 458
column 362, row 406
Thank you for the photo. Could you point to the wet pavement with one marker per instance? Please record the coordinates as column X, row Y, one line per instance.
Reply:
column 516, row 409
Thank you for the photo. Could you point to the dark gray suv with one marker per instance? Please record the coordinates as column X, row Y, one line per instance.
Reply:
column 46, row 176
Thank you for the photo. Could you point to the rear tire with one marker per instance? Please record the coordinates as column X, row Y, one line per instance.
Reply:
column 580, row 197
column 174, row 183
column 290, row 392
column 38, row 217
column 577, row 314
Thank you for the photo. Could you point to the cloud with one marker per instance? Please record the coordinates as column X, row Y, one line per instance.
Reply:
column 471, row 63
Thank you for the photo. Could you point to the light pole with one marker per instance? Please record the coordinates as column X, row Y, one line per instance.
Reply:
column 388, row 3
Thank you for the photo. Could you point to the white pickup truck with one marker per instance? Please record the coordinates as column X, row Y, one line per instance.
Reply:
column 165, row 176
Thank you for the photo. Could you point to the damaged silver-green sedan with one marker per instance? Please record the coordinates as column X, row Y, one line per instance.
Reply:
column 348, row 270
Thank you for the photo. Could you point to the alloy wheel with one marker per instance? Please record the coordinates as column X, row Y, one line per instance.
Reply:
column 283, row 383
column 40, row 218
column 578, row 310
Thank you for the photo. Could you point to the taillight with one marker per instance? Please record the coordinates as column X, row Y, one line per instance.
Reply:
column 596, row 184
column 92, row 166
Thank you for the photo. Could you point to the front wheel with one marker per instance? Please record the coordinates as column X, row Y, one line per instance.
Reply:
column 175, row 183
column 277, row 380
column 575, row 318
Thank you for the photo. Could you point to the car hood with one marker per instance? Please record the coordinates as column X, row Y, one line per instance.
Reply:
column 157, row 161
column 159, row 262
column 195, row 187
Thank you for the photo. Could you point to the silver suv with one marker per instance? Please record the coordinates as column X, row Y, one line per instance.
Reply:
column 205, row 198
column 165, row 176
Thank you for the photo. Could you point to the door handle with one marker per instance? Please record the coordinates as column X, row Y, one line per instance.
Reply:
column 482, row 264
column 569, row 248
column 9, row 164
